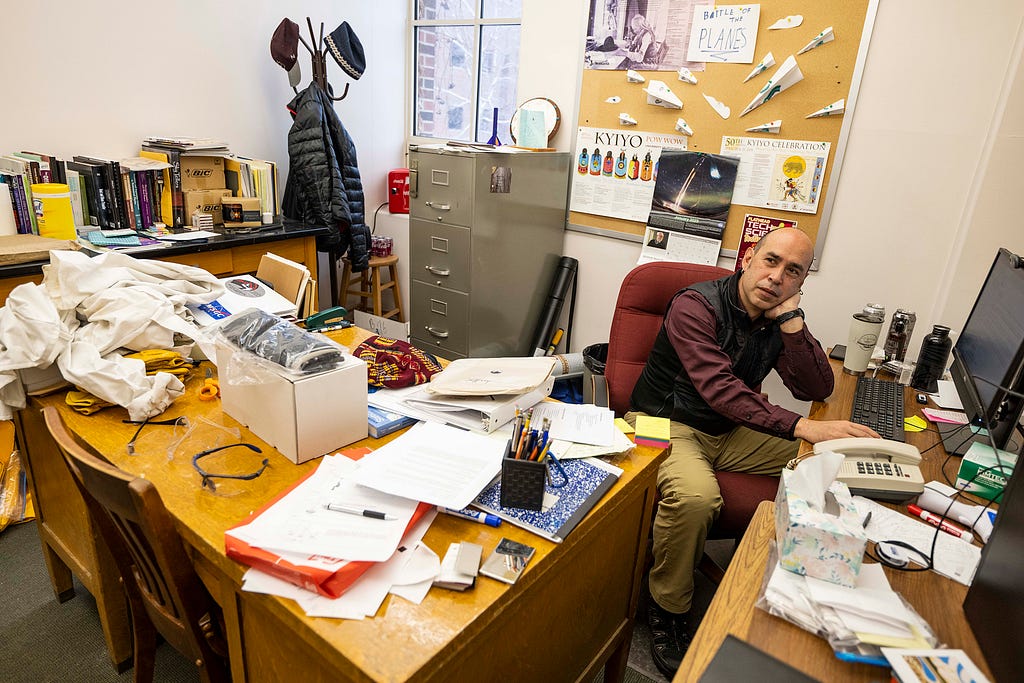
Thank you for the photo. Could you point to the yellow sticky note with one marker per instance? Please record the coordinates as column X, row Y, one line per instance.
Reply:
column 623, row 426
column 915, row 424
column 652, row 431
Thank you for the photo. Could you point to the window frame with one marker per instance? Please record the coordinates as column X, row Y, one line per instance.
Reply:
column 477, row 23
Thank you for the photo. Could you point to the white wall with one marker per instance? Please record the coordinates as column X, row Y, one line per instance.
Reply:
column 95, row 77
column 933, row 156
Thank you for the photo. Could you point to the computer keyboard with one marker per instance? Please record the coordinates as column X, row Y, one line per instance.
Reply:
column 878, row 403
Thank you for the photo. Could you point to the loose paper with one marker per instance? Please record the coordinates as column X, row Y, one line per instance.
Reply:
column 778, row 174
column 724, row 33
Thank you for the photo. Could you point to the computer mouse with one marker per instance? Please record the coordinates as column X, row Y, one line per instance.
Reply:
column 922, row 399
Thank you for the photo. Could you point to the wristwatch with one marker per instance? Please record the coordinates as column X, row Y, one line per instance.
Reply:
column 789, row 315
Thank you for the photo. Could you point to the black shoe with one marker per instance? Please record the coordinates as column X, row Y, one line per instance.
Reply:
column 669, row 638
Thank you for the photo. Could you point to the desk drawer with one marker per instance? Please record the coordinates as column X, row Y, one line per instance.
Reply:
column 444, row 188
column 441, row 318
column 218, row 262
column 439, row 254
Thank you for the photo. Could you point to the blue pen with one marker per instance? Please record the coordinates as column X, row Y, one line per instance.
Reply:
column 475, row 515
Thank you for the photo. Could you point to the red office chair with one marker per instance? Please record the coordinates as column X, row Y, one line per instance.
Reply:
column 643, row 299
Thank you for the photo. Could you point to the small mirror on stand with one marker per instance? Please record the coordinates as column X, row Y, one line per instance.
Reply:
column 534, row 123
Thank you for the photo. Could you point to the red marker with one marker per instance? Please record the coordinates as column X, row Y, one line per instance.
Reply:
column 936, row 520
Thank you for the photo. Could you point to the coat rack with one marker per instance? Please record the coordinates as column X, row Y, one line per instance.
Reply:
column 319, row 60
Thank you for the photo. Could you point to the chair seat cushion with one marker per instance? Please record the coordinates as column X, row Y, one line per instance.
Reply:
column 742, row 494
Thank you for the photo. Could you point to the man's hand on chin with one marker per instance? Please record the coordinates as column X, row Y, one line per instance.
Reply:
column 814, row 431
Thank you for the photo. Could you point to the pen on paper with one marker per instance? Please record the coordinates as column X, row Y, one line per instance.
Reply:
column 867, row 520
column 354, row 510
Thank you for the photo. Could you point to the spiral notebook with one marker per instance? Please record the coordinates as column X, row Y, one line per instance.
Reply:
column 564, row 507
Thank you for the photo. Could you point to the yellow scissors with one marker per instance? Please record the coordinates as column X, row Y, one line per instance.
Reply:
column 211, row 387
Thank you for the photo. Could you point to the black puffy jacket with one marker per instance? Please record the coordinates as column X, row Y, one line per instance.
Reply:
column 323, row 185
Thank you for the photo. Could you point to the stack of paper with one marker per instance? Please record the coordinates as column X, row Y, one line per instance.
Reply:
column 288, row 278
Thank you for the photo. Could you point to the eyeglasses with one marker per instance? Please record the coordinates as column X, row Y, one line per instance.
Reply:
column 207, row 477
column 172, row 422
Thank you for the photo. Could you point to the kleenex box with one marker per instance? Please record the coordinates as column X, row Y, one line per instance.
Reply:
column 303, row 417
column 822, row 543
column 981, row 474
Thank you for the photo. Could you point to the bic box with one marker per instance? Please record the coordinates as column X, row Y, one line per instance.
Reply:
column 303, row 417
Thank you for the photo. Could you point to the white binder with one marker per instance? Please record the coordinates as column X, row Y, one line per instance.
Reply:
column 477, row 413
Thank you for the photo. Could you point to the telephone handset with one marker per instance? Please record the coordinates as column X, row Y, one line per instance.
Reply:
column 877, row 468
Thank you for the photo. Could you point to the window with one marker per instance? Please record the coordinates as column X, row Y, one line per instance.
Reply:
column 465, row 66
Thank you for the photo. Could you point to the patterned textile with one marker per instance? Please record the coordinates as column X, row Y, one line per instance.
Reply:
column 394, row 364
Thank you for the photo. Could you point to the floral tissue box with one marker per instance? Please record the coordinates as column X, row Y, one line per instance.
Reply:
column 824, row 544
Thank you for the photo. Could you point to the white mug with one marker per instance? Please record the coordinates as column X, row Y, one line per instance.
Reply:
column 864, row 330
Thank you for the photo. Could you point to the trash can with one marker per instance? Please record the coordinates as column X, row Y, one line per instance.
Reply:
column 595, row 388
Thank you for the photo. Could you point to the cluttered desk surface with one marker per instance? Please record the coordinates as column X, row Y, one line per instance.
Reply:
column 450, row 635
column 936, row 598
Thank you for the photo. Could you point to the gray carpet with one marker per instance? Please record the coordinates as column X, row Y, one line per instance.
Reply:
column 43, row 641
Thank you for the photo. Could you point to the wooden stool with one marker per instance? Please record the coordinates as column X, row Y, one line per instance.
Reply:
column 367, row 285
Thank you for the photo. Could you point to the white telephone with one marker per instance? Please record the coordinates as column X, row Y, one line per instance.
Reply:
column 877, row 468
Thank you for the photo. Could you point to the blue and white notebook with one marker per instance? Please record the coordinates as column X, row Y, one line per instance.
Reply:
column 564, row 507
column 382, row 422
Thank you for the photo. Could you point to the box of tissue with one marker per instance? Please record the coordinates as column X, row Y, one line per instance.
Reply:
column 819, row 533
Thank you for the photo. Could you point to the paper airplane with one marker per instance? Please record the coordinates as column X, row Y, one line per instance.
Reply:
column 683, row 127
column 792, row 21
column 626, row 120
column 614, row 99
column 770, row 127
column 787, row 75
column 834, row 109
column 826, row 36
column 720, row 107
column 766, row 62
column 687, row 75
column 658, row 94
column 634, row 77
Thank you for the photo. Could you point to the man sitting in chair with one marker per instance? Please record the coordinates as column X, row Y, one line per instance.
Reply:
column 718, row 341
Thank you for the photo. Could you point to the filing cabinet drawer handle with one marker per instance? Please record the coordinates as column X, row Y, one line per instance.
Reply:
column 439, row 271
column 436, row 333
column 440, row 207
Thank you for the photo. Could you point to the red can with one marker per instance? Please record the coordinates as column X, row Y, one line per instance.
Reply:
column 398, row 190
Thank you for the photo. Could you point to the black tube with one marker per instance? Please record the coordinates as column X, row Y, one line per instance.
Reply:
column 565, row 275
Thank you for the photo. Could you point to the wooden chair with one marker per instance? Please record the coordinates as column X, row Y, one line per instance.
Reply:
column 370, row 286
column 164, row 591
column 643, row 299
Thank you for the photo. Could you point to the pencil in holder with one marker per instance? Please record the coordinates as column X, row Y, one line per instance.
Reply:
column 522, row 482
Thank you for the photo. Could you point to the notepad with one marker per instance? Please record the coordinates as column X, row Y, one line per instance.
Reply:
column 652, row 431
column 101, row 240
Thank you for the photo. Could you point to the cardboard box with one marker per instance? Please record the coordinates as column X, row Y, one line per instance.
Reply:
column 241, row 212
column 206, row 201
column 305, row 417
column 992, row 480
column 202, row 173
column 818, row 544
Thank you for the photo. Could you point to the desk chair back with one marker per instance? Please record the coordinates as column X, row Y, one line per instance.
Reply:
column 644, row 297
column 164, row 591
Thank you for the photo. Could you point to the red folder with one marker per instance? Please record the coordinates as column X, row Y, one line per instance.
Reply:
column 326, row 583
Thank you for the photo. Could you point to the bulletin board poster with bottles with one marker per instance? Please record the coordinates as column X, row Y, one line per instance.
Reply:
column 803, row 74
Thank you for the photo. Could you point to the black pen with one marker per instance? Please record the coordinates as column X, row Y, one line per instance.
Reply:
column 353, row 510
column 867, row 520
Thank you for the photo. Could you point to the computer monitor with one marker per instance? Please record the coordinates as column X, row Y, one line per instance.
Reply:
column 994, row 605
column 988, row 357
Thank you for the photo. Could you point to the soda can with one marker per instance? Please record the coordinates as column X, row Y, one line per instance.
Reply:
column 901, row 327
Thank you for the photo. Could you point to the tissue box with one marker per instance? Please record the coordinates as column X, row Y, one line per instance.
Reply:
column 991, row 482
column 302, row 417
column 816, row 543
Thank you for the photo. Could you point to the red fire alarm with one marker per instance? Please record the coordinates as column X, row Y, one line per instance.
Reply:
column 398, row 190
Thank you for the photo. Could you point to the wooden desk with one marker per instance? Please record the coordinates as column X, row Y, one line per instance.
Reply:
column 937, row 599
column 224, row 255
column 569, row 614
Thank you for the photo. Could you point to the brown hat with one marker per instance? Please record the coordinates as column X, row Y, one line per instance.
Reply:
column 284, row 48
column 347, row 50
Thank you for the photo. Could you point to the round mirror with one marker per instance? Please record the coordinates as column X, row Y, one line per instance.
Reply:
column 552, row 117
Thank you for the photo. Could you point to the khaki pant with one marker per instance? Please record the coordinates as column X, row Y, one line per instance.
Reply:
column 690, row 499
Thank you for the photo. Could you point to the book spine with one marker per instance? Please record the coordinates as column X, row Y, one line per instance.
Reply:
column 74, row 186
column 30, row 208
column 132, row 192
column 120, row 201
column 145, row 207
column 13, row 184
column 173, row 211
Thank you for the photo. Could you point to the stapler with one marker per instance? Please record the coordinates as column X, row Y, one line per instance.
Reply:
column 331, row 319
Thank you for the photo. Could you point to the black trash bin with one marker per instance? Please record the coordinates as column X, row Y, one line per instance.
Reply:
column 595, row 388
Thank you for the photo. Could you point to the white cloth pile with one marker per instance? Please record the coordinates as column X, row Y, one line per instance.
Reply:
column 85, row 311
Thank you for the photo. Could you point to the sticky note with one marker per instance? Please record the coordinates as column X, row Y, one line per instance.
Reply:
column 652, row 431
column 623, row 426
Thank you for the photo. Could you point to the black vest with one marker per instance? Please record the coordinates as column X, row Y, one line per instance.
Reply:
column 664, row 388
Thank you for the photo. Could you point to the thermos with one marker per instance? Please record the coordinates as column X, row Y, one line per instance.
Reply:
column 864, row 329
column 931, row 362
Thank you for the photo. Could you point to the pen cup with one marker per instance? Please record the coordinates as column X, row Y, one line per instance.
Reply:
column 522, row 482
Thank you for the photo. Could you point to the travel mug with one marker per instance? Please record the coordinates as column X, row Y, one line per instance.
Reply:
column 864, row 330
column 931, row 361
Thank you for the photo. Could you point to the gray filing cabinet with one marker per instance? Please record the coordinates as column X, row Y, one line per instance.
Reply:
column 485, row 236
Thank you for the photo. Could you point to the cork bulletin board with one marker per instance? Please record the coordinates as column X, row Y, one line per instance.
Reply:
column 831, row 72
